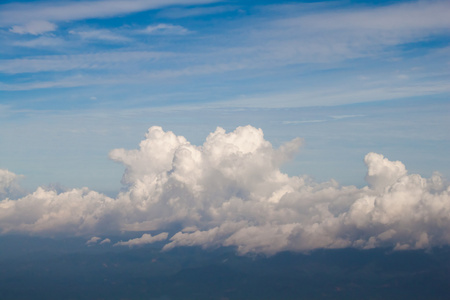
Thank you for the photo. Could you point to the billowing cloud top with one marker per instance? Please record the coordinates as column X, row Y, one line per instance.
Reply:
column 230, row 192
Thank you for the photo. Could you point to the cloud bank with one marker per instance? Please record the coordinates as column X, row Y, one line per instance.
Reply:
column 230, row 192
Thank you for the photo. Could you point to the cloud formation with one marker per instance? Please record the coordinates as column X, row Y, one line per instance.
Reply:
column 143, row 240
column 230, row 192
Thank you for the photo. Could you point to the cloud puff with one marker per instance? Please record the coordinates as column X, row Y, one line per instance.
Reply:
column 144, row 239
column 230, row 192
column 105, row 241
column 93, row 240
column 34, row 28
column 79, row 211
column 9, row 186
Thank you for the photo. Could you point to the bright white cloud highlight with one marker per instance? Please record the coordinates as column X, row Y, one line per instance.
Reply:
column 144, row 239
column 230, row 192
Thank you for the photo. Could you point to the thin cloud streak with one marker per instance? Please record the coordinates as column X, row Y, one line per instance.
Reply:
column 166, row 29
column 178, row 13
column 12, row 14
column 34, row 28
column 100, row 35
column 59, row 63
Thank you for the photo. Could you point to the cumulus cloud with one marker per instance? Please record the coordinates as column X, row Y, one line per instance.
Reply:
column 230, row 192
column 79, row 211
column 144, row 239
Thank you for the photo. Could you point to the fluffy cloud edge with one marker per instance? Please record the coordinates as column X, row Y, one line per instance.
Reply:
column 230, row 192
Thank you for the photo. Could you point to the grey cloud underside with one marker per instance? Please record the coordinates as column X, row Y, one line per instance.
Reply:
column 230, row 192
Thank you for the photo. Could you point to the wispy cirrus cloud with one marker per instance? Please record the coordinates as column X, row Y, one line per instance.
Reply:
column 405, row 17
column 178, row 13
column 166, row 29
column 100, row 35
column 58, row 63
column 287, row 38
column 342, row 34
column 34, row 28
column 55, row 11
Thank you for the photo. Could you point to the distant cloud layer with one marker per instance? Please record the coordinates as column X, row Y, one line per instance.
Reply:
column 230, row 192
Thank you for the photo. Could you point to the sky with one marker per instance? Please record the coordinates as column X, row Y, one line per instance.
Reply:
column 267, row 126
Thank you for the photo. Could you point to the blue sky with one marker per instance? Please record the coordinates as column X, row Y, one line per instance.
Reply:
column 80, row 78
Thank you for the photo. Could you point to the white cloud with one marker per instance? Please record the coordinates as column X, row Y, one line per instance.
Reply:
column 382, row 173
column 93, row 240
column 34, row 28
column 143, row 240
column 105, row 241
column 77, row 211
column 230, row 192
column 9, row 186
column 166, row 29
